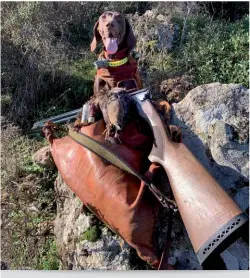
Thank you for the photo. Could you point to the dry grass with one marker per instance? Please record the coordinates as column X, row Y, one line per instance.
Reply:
column 27, row 202
column 44, row 45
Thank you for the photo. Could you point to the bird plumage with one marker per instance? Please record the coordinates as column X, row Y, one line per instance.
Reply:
column 117, row 108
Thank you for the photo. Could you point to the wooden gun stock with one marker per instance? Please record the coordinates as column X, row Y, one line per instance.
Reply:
column 211, row 217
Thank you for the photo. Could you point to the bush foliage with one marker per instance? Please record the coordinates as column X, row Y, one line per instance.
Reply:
column 92, row 234
column 216, row 51
column 46, row 59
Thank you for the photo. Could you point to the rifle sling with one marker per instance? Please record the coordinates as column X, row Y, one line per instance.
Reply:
column 102, row 151
column 105, row 153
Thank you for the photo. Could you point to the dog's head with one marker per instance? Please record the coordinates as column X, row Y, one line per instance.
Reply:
column 113, row 29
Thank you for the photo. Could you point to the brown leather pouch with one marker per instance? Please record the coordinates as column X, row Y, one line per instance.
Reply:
column 117, row 198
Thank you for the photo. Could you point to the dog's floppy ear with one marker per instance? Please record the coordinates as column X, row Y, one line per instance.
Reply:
column 130, row 37
column 96, row 38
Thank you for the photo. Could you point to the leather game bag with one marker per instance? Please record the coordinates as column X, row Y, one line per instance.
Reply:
column 117, row 198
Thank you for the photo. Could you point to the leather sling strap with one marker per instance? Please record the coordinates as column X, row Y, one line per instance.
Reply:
column 101, row 150
column 165, row 254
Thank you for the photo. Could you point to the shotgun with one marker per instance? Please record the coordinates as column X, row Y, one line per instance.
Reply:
column 212, row 219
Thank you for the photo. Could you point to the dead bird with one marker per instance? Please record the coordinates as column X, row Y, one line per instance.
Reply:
column 118, row 108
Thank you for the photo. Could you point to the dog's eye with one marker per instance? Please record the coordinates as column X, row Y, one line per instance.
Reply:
column 104, row 16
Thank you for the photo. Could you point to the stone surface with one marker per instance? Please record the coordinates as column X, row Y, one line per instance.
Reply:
column 214, row 120
column 242, row 198
column 154, row 32
column 244, row 264
column 107, row 253
column 43, row 157
column 232, row 263
column 236, row 256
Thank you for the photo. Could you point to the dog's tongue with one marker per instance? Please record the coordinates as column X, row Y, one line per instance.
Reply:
column 111, row 45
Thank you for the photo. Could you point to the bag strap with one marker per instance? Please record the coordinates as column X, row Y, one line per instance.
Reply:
column 102, row 151
column 165, row 254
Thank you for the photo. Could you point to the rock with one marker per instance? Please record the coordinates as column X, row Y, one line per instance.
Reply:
column 177, row 253
column 214, row 122
column 77, row 253
column 156, row 36
column 154, row 32
column 172, row 260
column 240, row 250
column 33, row 208
column 231, row 262
column 43, row 157
column 160, row 17
column 149, row 13
column 242, row 198
column 186, row 259
column 244, row 264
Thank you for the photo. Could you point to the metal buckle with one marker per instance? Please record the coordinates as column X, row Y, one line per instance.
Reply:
column 166, row 202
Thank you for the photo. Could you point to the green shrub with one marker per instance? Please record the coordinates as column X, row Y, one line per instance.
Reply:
column 49, row 259
column 28, row 197
column 92, row 234
column 211, row 51
column 216, row 51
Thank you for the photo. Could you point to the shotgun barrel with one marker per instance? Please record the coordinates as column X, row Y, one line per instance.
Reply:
column 59, row 119
column 65, row 117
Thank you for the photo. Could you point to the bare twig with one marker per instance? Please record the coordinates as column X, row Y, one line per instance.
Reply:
column 189, row 8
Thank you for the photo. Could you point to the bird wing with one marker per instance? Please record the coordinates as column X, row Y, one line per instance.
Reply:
column 115, row 110
column 103, row 100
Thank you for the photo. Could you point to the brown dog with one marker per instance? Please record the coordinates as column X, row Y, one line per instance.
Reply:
column 115, row 32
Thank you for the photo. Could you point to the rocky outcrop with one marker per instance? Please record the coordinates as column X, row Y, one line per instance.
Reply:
column 214, row 121
column 154, row 32
column 43, row 158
